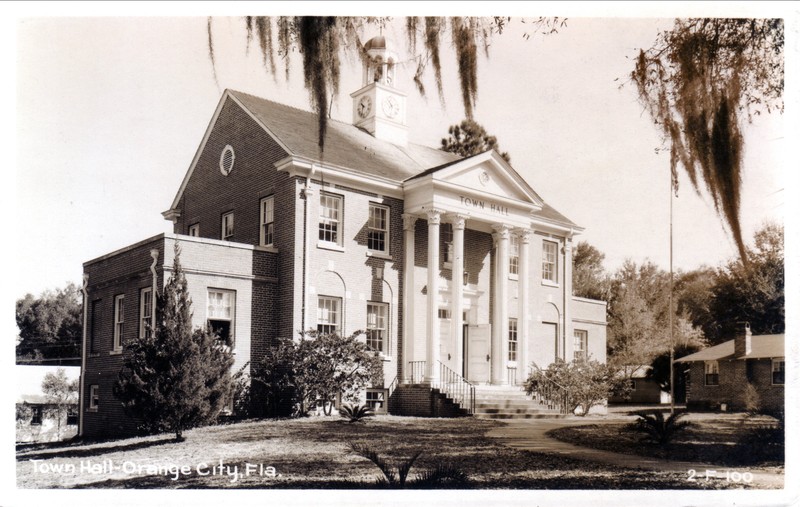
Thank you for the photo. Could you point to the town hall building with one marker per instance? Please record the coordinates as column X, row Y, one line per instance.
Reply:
column 453, row 266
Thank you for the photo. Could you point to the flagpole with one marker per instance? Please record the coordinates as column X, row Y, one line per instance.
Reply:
column 671, row 286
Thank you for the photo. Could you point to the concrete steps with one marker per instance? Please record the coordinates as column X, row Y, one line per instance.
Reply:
column 509, row 402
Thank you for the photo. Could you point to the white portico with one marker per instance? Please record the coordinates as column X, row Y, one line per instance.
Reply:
column 468, row 307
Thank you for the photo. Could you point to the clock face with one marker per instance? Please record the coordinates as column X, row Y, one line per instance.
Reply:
column 390, row 107
column 364, row 106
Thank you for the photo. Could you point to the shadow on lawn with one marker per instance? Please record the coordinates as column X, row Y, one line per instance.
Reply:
column 70, row 452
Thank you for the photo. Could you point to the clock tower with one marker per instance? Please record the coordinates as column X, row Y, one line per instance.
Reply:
column 378, row 107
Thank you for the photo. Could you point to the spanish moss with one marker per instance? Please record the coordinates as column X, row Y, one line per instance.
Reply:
column 696, row 81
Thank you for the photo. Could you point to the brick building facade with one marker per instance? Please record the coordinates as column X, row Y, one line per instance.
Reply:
column 718, row 376
column 449, row 263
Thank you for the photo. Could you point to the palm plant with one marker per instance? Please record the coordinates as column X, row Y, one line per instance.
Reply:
column 656, row 428
column 355, row 413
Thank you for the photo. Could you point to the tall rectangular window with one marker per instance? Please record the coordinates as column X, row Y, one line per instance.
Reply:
column 513, row 341
column 581, row 344
column 779, row 370
column 378, row 228
column 330, row 218
column 550, row 261
column 94, row 325
column 94, row 397
column 513, row 255
column 446, row 231
column 119, row 321
column 194, row 230
column 227, row 226
column 145, row 311
column 221, row 314
column 376, row 326
column 267, row 221
column 712, row 373
column 329, row 310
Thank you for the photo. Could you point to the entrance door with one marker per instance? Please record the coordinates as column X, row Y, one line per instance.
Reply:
column 478, row 365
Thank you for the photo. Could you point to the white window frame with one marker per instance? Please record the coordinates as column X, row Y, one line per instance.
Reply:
column 513, row 340
column 119, row 321
column 267, row 217
column 378, row 325
column 331, row 228
column 777, row 361
column 145, row 310
column 227, row 226
column 327, row 307
column 580, row 344
column 94, row 397
column 711, row 368
column 374, row 228
column 213, row 310
column 377, row 402
column 513, row 257
column 549, row 266
column 194, row 230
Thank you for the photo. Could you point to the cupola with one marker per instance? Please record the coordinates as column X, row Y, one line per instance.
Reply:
column 379, row 107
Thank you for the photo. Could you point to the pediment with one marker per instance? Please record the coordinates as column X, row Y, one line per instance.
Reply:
column 488, row 174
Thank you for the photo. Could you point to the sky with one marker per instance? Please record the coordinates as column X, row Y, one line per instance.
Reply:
column 110, row 112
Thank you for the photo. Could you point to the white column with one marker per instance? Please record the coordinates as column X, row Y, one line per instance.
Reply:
column 524, row 303
column 432, row 344
column 500, row 320
column 457, row 290
column 409, row 222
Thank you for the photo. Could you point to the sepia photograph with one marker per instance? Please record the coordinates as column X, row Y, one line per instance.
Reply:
column 455, row 254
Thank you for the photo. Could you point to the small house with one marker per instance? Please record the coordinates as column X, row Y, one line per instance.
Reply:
column 718, row 376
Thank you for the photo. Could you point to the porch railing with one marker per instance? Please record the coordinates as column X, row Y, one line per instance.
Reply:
column 457, row 388
column 549, row 393
column 416, row 372
column 511, row 375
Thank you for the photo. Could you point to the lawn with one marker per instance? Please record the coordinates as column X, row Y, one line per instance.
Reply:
column 314, row 453
column 710, row 438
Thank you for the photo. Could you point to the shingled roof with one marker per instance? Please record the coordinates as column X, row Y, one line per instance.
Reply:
column 345, row 145
column 762, row 346
column 351, row 147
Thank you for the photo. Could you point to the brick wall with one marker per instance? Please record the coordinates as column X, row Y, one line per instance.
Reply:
column 246, row 271
column 125, row 273
column 732, row 378
column 352, row 272
column 419, row 400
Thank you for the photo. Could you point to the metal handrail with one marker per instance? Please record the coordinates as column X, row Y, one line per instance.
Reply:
column 416, row 370
column 550, row 394
column 456, row 387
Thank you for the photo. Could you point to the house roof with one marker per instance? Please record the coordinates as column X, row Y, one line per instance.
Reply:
column 345, row 145
column 762, row 346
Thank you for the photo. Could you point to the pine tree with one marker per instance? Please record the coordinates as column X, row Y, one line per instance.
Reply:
column 175, row 378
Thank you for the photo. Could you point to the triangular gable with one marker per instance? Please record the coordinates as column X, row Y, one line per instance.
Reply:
column 222, row 101
column 486, row 173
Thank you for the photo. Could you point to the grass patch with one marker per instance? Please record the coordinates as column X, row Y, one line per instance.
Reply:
column 711, row 438
column 316, row 453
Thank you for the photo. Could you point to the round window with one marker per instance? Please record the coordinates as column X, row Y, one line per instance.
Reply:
column 226, row 160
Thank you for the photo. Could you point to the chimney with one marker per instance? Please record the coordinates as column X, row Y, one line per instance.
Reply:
column 742, row 344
